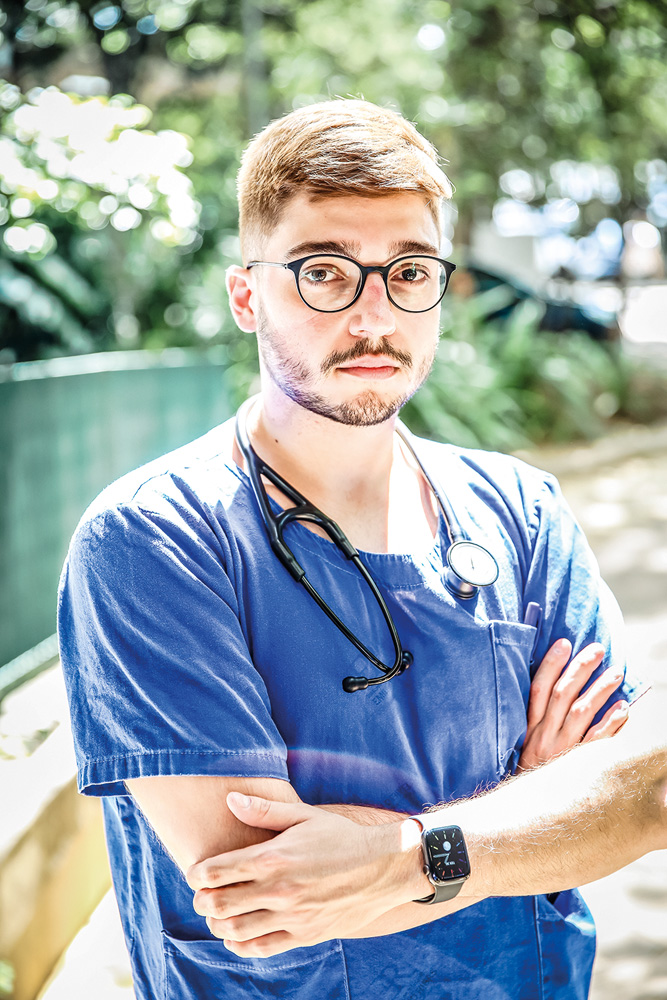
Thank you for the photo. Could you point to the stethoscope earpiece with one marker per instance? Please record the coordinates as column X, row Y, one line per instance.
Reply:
column 352, row 684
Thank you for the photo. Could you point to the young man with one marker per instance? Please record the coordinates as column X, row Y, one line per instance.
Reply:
column 199, row 663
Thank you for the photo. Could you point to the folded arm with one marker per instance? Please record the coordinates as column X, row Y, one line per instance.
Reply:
column 193, row 818
column 578, row 818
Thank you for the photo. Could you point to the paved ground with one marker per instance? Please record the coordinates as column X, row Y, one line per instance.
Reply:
column 621, row 499
column 623, row 509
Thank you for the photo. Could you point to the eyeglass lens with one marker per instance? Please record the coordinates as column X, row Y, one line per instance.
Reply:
column 331, row 283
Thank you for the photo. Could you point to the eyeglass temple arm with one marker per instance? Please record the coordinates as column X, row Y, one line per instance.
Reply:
column 265, row 263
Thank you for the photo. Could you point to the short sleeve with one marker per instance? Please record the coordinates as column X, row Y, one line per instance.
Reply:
column 157, row 669
column 564, row 579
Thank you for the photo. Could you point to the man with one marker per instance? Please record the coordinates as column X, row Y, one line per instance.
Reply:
column 198, row 665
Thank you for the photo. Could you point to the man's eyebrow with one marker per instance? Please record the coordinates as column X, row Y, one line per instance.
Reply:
column 325, row 247
column 401, row 247
column 396, row 249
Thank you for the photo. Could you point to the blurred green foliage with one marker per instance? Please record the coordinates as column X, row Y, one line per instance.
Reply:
column 7, row 978
column 122, row 124
column 507, row 386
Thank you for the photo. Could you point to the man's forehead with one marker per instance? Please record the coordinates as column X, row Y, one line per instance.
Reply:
column 395, row 222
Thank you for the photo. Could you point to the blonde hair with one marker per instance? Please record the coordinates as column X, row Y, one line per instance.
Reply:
column 335, row 147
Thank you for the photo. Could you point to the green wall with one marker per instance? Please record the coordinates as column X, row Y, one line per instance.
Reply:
column 68, row 427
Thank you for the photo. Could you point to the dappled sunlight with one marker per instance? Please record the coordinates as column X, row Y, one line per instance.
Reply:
column 96, row 158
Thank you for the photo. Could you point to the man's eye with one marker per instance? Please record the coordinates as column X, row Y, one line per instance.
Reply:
column 318, row 275
column 411, row 274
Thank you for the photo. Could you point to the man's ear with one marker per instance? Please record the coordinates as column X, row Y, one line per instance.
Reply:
column 241, row 294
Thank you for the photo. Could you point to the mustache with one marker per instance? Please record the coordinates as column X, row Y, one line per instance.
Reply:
column 366, row 349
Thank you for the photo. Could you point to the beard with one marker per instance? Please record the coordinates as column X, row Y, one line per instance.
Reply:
column 367, row 409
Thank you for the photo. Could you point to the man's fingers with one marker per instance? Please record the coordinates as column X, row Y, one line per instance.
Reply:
column 265, row 946
column 568, row 687
column 613, row 720
column 586, row 707
column 558, row 714
column 224, row 869
column 224, row 903
column 267, row 814
column 241, row 865
column 246, row 926
column 258, row 860
column 546, row 675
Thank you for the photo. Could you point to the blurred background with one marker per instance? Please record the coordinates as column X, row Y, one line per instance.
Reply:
column 121, row 127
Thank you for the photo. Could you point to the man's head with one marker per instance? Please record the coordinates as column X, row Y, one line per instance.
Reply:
column 336, row 147
column 338, row 189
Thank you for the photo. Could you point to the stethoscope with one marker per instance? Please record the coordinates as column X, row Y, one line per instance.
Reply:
column 469, row 565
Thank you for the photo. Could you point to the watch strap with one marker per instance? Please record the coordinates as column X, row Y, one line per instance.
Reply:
column 443, row 892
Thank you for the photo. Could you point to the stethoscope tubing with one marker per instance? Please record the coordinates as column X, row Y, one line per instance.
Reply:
column 304, row 510
column 454, row 532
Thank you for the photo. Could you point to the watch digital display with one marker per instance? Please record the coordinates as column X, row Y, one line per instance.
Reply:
column 446, row 854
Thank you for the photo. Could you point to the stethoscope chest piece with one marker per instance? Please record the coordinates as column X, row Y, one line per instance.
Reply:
column 469, row 567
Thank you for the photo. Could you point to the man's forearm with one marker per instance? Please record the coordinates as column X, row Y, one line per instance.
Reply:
column 537, row 833
column 567, row 823
column 330, row 874
column 577, row 819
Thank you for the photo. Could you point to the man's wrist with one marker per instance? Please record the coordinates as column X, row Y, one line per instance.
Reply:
column 414, row 880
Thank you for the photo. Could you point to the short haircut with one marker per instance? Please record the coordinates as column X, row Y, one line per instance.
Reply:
column 335, row 147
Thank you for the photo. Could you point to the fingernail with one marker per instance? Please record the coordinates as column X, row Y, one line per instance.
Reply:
column 241, row 800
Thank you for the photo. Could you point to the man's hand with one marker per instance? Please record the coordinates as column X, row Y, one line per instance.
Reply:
column 559, row 716
column 325, row 876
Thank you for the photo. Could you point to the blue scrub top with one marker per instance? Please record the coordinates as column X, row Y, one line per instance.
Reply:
column 188, row 649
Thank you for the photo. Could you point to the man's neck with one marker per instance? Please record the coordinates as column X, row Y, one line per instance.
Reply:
column 359, row 476
column 324, row 459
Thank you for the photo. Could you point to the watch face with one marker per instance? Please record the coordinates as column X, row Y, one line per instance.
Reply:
column 446, row 853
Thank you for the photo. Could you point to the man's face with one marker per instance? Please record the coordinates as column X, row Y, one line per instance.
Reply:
column 360, row 365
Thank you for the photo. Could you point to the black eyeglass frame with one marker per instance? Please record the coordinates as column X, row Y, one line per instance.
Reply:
column 295, row 266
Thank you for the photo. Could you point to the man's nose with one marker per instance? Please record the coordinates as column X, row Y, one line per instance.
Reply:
column 372, row 314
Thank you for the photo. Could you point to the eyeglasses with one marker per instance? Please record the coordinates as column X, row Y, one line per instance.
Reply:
column 331, row 282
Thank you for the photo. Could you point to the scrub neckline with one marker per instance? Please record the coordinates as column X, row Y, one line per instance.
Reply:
column 380, row 562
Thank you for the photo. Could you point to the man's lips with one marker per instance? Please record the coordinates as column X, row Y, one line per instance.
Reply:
column 374, row 367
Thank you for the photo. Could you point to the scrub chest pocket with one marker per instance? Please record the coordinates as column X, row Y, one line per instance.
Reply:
column 512, row 645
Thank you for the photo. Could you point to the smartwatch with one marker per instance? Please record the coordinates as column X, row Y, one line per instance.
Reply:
column 445, row 860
